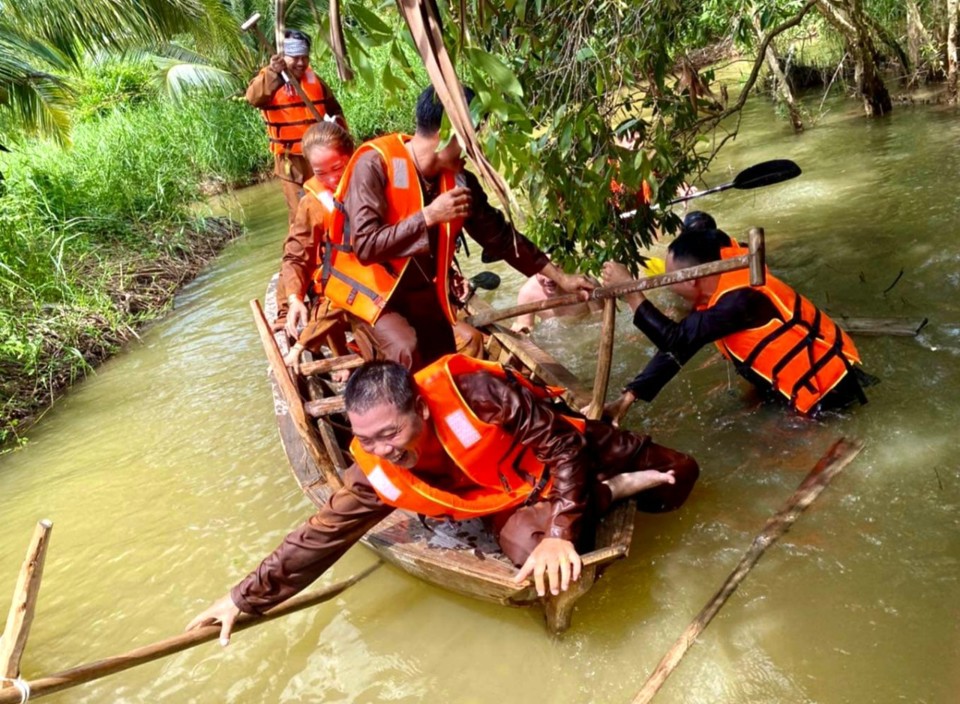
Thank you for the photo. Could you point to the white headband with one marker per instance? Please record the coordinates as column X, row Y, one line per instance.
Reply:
column 295, row 47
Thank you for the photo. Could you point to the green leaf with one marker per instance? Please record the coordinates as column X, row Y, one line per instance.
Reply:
column 498, row 71
column 370, row 21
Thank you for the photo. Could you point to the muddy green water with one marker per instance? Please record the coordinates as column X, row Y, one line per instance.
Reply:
column 165, row 480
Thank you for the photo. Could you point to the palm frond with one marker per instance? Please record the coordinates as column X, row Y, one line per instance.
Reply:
column 180, row 78
column 38, row 100
column 73, row 26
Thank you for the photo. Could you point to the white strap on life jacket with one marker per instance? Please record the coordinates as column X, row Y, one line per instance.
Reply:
column 383, row 485
column 462, row 428
column 401, row 173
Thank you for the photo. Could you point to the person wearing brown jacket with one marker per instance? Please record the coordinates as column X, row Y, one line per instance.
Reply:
column 285, row 114
column 590, row 464
column 302, row 310
column 413, row 328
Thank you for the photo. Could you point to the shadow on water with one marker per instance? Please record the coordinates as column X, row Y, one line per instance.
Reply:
column 166, row 483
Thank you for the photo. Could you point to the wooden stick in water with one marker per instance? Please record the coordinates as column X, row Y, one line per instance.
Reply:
column 184, row 641
column 604, row 359
column 896, row 327
column 840, row 454
column 673, row 277
column 23, row 606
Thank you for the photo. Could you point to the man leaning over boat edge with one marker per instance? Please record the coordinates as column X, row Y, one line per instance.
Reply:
column 402, row 427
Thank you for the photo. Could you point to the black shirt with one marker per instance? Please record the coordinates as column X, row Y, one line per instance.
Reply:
column 738, row 310
column 741, row 309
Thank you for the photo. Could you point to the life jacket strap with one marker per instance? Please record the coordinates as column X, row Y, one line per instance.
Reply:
column 293, row 123
column 773, row 336
column 357, row 288
column 836, row 350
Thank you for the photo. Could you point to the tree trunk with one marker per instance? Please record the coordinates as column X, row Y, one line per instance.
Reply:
column 952, row 50
column 917, row 40
column 780, row 85
column 848, row 19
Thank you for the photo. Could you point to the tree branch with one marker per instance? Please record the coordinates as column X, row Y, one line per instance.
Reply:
column 757, row 65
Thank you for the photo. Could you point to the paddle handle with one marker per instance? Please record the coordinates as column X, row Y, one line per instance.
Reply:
column 184, row 641
column 24, row 603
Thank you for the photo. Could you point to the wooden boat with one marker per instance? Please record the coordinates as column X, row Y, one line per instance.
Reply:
column 462, row 557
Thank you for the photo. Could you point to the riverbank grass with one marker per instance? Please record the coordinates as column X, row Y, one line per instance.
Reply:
column 95, row 239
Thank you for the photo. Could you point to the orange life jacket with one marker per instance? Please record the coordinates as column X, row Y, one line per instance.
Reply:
column 288, row 117
column 329, row 204
column 504, row 474
column 803, row 356
column 365, row 289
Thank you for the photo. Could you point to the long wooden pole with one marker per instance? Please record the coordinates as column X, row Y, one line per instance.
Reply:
column 290, row 394
column 604, row 359
column 23, row 606
column 840, row 454
column 604, row 292
column 184, row 641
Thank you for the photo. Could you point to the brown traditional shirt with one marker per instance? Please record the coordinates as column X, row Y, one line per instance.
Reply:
column 301, row 246
column 376, row 242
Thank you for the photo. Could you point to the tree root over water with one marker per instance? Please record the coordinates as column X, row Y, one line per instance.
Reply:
column 76, row 338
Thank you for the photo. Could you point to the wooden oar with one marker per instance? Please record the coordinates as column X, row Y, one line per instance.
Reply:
column 147, row 653
column 765, row 173
column 830, row 465
column 693, row 272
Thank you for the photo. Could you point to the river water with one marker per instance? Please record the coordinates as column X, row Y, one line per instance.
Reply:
column 166, row 482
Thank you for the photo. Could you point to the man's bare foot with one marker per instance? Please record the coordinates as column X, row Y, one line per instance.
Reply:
column 631, row 483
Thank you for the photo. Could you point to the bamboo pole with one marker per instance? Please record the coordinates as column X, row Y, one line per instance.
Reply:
column 896, row 327
column 184, row 641
column 290, row 394
column 840, row 454
column 23, row 606
column 694, row 272
column 604, row 359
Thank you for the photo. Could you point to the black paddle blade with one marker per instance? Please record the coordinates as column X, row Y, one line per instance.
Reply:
column 766, row 174
column 487, row 280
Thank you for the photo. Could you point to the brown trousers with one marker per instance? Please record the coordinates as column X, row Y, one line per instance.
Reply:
column 521, row 531
column 412, row 331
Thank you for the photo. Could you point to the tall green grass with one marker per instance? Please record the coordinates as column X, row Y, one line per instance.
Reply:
column 70, row 218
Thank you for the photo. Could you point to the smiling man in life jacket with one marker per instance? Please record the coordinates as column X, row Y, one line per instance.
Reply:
column 469, row 439
column 404, row 202
column 776, row 338
column 285, row 114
